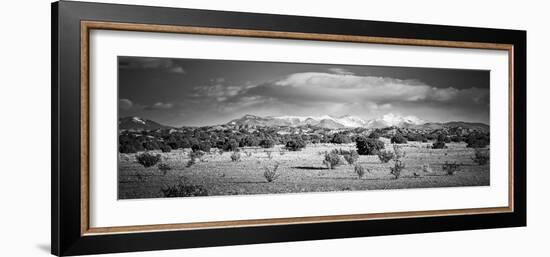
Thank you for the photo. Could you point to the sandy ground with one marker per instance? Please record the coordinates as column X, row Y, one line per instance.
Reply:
column 301, row 171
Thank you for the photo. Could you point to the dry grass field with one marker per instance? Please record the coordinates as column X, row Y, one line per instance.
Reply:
column 300, row 171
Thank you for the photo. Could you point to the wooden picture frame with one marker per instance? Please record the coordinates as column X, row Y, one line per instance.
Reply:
column 71, row 25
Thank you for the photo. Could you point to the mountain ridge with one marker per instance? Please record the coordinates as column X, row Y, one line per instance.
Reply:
column 324, row 121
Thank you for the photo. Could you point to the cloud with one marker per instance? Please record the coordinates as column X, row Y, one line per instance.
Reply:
column 145, row 63
column 160, row 106
column 125, row 104
column 342, row 88
column 218, row 91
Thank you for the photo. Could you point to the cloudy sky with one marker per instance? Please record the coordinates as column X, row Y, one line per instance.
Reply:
column 196, row 92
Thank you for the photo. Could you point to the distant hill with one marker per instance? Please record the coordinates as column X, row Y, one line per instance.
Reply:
column 137, row 123
column 326, row 122
column 454, row 124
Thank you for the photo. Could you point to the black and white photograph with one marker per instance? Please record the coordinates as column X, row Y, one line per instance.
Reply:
column 200, row 127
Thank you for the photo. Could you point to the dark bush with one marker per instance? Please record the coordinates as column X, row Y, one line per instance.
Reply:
column 416, row 137
column 374, row 135
column 183, row 189
column 248, row 141
column 151, row 145
column 368, row 146
column 204, row 146
column 439, row 145
column 451, row 168
column 385, row 156
column 231, row 145
column 165, row 148
column 295, row 145
column 267, row 143
column 398, row 166
column 235, row 156
column 271, row 174
column 456, row 139
column 147, row 159
column 332, row 160
column 201, row 146
column 127, row 148
column 350, row 156
column 360, row 171
column 398, row 139
column 477, row 140
column 481, row 156
column 195, row 148
column 340, row 138
column 164, row 168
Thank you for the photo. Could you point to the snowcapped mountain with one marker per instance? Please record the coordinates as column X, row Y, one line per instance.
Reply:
column 391, row 119
column 327, row 121
column 346, row 121
column 137, row 123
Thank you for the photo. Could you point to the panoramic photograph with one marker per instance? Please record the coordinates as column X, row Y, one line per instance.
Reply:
column 201, row 127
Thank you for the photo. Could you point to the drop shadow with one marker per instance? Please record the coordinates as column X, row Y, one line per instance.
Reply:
column 44, row 247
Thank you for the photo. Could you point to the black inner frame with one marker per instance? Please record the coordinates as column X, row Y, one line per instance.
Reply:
column 65, row 166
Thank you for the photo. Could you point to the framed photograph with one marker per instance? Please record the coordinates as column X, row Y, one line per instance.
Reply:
column 179, row 128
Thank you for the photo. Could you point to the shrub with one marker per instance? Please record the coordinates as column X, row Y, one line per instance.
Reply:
column 191, row 162
column 235, row 156
column 374, row 135
column 368, row 146
column 147, row 160
column 416, row 137
column 165, row 148
column 398, row 153
column 270, row 174
column 332, row 160
column 195, row 148
column 151, row 145
column 197, row 155
column 248, row 154
column 295, row 145
column 477, row 140
column 351, row 157
column 267, row 143
column 481, row 156
column 385, row 156
column 249, row 141
column 164, row 168
column 127, row 148
column 398, row 166
column 451, row 168
column 231, row 145
column 201, row 146
column 398, row 139
column 439, row 145
column 360, row 171
column 182, row 189
column 456, row 139
column 340, row 138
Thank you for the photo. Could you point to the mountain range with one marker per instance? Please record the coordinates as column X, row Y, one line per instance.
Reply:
column 137, row 123
column 325, row 121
